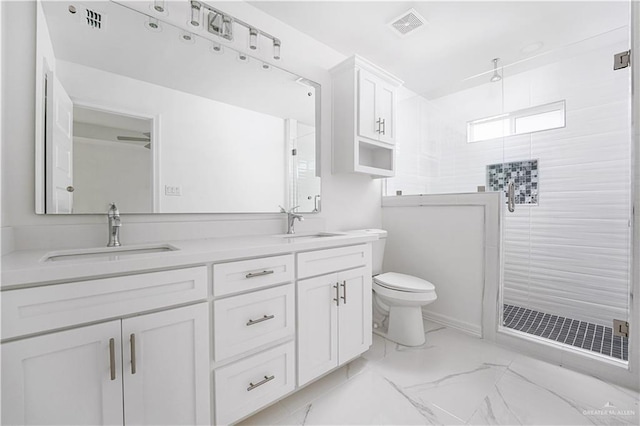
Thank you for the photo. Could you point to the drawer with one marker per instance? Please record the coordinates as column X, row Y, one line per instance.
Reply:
column 33, row 310
column 248, row 385
column 252, row 274
column 250, row 320
column 320, row 262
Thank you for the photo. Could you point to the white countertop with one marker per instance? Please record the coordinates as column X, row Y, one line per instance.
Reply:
column 27, row 268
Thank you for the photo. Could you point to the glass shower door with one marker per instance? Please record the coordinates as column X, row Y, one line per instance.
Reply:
column 567, row 155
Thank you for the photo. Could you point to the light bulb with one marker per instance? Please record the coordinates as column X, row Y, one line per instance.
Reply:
column 276, row 49
column 195, row 14
column 253, row 39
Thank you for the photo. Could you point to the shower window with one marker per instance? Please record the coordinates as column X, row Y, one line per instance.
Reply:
column 529, row 120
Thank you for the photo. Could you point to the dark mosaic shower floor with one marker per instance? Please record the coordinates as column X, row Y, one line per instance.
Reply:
column 596, row 338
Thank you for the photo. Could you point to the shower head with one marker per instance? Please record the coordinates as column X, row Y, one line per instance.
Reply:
column 495, row 77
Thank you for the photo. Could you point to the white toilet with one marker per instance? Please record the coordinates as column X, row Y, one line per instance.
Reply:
column 402, row 296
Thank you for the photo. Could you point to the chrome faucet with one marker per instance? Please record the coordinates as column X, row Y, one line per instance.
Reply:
column 291, row 217
column 114, row 226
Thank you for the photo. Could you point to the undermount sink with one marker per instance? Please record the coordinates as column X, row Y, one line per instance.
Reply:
column 310, row 235
column 106, row 253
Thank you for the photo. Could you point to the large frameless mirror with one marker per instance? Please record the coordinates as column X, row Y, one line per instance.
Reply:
column 135, row 109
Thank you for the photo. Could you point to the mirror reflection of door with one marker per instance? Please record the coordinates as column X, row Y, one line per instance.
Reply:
column 59, row 147
column 112, row 160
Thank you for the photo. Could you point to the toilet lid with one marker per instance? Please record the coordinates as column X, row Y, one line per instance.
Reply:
column 403, row 282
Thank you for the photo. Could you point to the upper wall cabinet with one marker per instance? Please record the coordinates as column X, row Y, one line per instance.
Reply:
column 364, row 118
column 376, row 108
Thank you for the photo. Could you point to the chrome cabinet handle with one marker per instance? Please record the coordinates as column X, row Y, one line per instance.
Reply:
column 344, row 291
column 511, row 194
column 112, row 358
column 132, row 339
column 258, row 274
column 379, row 123
column 264, row 318
column 337, row 298
column 266, row 379
column 384, row 126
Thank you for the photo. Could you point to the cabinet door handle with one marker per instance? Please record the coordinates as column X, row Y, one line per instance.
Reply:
column 266, row 379
column 384, row 126
column 379, row 123
column 258, row 274
column 337, row 299
column 112, row 358
column 264, row 318
column 344, row 291
column 132, row 339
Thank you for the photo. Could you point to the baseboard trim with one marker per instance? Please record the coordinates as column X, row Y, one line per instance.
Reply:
column 465, row 327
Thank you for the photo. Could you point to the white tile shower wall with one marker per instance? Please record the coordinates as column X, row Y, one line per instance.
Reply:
column 570, row 254
column 349, row 201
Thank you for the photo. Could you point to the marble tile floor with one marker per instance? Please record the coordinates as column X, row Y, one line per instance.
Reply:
column 453, row 379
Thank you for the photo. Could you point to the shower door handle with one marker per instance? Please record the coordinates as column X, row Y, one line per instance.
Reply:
column 511, row 194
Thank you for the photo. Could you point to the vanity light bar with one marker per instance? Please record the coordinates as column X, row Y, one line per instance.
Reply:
column 221, row 24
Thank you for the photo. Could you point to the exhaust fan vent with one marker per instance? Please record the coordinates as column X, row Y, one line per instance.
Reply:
column 407, row 23
column 94, row 18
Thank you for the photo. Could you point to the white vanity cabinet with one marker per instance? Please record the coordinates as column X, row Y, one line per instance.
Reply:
column 334, row 309
column 140, row 369
column 254, row 332
column 364, row 106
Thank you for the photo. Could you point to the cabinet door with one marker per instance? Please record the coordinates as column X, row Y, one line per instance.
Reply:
column 367, row 113
column 64, row 377
column 166, row 367
column 386, row 110
column 354, row 314
column 317, row 327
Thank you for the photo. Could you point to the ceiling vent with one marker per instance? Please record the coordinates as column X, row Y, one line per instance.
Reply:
column 89, row 16
column 407, row 23
column 94, row 18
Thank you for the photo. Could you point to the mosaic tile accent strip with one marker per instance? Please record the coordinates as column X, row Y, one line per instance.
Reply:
column 585, row 335
column 523, row 173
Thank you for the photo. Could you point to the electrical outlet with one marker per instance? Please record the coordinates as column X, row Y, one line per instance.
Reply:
column 174, row 191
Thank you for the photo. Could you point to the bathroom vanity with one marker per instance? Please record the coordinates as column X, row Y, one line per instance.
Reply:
column 200, row 332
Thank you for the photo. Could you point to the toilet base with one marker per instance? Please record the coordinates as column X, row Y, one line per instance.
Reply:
column 406, row 326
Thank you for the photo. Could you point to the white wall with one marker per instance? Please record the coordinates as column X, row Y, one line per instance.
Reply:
column 569, row 255
column 349, row 201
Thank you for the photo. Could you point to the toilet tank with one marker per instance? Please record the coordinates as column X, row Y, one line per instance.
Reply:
column 377, row 248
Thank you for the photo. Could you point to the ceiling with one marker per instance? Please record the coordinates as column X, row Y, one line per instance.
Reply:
column 460, row 38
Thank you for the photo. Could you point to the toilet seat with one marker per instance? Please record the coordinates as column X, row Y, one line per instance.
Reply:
column 402, row 282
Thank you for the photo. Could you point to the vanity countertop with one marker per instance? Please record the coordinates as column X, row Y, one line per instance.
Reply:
column 27, row 267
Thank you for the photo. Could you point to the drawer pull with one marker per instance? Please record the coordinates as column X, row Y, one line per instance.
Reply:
column 112, row 358
column 337, row 298
column 260, row 383
column 264, row 318
column 259, row 274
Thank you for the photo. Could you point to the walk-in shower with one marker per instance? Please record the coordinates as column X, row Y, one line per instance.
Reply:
column 553, row 132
